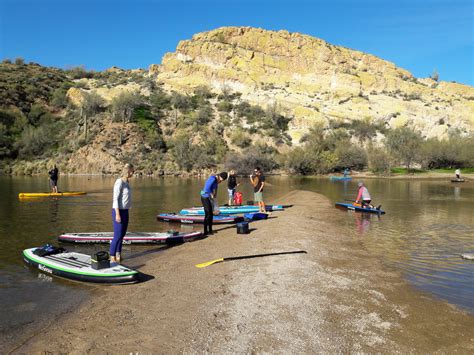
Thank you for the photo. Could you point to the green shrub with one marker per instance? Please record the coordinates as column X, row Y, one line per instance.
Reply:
column 246, row 162
column 240, row 139
column 380, row 161
column 34, row 141
column 350, row 156
column 404, row 143
column 299, row 161
column 224, row 106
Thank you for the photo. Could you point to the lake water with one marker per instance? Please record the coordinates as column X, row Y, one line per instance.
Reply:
column 427, row 226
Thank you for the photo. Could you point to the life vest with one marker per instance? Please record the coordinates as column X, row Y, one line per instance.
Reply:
column 238, row 198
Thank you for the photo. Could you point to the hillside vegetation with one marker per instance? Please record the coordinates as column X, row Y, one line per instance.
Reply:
column 196, row 113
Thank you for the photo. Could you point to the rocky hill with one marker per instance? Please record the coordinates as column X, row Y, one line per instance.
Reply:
column 229, row 95
column 315, row 81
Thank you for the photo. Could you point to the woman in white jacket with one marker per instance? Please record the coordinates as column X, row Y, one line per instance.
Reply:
column 121, row 202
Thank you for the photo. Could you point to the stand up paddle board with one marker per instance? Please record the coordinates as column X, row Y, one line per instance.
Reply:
column 76, row 266
column 51, row 194
column 340, row 178
column 192, row 219
column 231, row 209
column 130, row 238
column 355, row 208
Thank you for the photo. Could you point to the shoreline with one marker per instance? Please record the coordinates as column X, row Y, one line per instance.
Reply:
column 356, row 175
column 336, row 298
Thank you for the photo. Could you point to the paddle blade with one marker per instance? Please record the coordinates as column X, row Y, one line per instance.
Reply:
column 210, row 262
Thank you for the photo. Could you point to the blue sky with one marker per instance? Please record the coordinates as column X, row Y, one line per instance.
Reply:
column 418, row 35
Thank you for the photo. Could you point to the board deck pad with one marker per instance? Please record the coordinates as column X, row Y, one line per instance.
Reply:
column 77, row 266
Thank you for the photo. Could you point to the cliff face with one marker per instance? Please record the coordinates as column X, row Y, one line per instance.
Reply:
column 313, row 80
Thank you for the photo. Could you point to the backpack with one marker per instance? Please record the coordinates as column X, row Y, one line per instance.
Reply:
column 48, row 249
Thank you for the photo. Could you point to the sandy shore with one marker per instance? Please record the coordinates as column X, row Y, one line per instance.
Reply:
column 336, row 298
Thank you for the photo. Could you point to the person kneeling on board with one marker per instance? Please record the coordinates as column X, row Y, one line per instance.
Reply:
column 363, row 197
column 208, row 195
column 458, row 173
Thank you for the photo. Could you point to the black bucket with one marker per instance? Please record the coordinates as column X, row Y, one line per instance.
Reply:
column 243, row 228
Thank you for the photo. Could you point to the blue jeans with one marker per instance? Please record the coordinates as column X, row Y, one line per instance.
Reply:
column 120, row 229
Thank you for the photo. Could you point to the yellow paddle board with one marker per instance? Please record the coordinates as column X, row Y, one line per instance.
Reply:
column 52, row 194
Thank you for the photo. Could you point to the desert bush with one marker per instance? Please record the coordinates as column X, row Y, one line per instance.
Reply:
column 245, row 163
column 299, row 161
column 240, row 138
column 457, row 151
column 251, row 113
column 34, row 141
column 380, row 161
column 159, row 100
column 224, row 106
column 124, row 105
column 182, row 151
column 350, row 156
column 180, row 102
column 365, row 129
column 215, row 146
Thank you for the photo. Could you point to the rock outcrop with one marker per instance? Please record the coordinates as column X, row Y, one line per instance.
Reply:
column 313, row 80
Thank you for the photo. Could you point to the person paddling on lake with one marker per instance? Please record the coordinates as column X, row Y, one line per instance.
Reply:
column 231, row 186
column 53, row 178
column 121, row 203
column 208, row 196
column 257, row 179
column 363, row 197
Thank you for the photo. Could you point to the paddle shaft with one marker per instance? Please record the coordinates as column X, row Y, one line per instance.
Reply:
column 261, row 255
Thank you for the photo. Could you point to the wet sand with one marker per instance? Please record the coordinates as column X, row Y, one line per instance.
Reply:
column 336, row 298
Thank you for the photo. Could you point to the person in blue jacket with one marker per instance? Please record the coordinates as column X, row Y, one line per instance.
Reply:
column 208, row 194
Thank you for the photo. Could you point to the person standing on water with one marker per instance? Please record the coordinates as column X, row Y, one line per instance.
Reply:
column 458, row 173
column 121, row 202
column 231, row 186
column 53, row 178
column 208, row 195
column 257, row 179
column 346, row 172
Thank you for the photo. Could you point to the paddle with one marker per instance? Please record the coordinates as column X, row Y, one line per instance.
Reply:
column 247, row 257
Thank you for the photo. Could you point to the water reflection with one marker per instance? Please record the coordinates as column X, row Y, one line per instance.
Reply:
column 362, row 222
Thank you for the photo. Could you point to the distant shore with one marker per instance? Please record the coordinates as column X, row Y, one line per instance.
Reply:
column 336, row 298
column 354, row 175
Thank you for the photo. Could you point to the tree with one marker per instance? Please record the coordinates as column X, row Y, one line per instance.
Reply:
column 19, row 61
column 124, row 104
column 90, row 106
column 350, row 156
column 181, row 149
column 435, row 75
column 364, row 129
column 380, row 161
column 404, row 144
